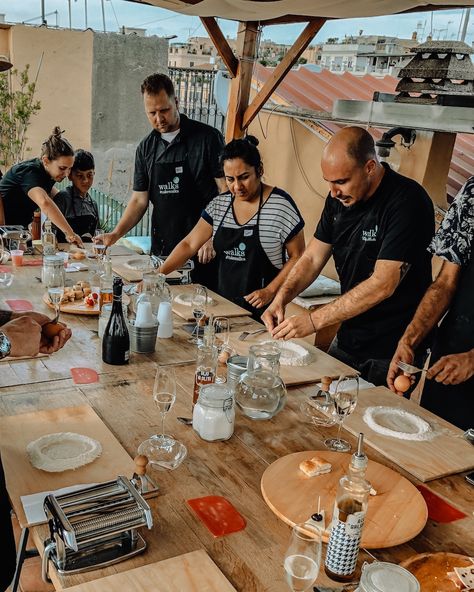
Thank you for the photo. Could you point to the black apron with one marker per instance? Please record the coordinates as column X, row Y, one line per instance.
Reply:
column 175, row 208
column 83, row 225
column 455, row 403
column 243, row 265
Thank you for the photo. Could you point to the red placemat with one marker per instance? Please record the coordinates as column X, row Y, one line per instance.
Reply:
column 218, row 514
column 439, row 509
column 19, row 305
column 84, row 375
column 5, row 269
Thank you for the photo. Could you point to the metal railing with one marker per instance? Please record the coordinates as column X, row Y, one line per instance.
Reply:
column 194, row 89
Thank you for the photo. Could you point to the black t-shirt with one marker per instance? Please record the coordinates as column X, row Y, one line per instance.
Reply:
column 395, row 224
column 198, row 143
column 76, row 210
column 14, row 188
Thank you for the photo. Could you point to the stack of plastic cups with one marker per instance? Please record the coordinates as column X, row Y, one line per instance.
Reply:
column 165, row 320
column 143, row 331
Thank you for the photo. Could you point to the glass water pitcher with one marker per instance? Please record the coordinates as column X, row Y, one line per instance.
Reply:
column 260, row 392
column 155, row 290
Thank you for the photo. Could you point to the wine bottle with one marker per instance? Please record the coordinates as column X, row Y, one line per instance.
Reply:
column 116, row 341
column 350, row 509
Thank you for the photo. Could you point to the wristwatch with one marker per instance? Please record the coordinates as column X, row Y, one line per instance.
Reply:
column 5, row 346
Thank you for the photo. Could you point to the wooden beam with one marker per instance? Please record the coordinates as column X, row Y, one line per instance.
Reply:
column 220, row 42
column 281, row 70
column 287, row 20
column 240, row 85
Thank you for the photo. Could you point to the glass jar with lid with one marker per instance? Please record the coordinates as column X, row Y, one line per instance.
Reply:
column 52, row 264
column 381, row 576
column 260, row 392
column 155, row 290
column 214, row 413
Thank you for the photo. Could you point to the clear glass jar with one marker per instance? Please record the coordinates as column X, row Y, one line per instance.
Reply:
column 52, row 264
column 155, row 290
column 104, row 318
column 381, row 576
column 260, row 392
column 214, row 413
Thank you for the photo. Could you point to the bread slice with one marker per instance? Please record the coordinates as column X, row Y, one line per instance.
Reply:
column 315, row 466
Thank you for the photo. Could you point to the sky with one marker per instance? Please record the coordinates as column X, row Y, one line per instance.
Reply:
column 161, row 22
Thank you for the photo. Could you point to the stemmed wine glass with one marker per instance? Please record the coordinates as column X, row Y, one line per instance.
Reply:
column 54, row 281
column 303, row 557
column 345, row 401
column 6, row 277
column 198, row 302
column 221, row 327
column 164, row 393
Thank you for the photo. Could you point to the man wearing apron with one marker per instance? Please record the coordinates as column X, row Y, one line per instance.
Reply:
column 177, row 170
column 449, row 388
column 243, row 265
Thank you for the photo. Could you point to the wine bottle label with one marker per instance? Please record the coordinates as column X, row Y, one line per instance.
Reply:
column 343, row 545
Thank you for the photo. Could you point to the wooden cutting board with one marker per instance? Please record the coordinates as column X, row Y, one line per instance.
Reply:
column 79, row 307
column 322, row 365
column 185, row 573
column 395, row 515
column 221, row 307
column 17, row 431
column 124, row 268
column 431, row 570
column 446, row 454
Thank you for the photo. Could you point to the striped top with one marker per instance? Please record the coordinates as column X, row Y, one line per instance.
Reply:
column 280, row 221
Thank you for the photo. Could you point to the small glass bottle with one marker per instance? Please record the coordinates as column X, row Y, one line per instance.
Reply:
column 106, row 283
column 206, row 366
column 348, row 518
column 36, row 225
column 116, row 340
column 48, row 239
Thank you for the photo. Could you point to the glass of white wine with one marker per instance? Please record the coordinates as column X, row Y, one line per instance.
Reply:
column 303, row 557
column 198, row 302
column 55, row 287
column 345, row 401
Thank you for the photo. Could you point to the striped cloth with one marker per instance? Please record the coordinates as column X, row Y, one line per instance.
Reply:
column 280, row 221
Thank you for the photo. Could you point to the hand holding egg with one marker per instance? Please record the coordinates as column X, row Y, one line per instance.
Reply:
column 402, row 383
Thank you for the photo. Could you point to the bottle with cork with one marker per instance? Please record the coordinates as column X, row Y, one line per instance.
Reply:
column 348, row 518
column 48, row 239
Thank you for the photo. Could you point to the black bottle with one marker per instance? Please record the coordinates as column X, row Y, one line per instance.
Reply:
column 116, row 342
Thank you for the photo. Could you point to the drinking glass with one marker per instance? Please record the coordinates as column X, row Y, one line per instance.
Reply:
column 54, row 283
column 198, row 302
column 303, row 557
column 164, row 393
column 98, row 248
column 221, row 340
column 345, row 401
column 6, row 279
column 4, row 253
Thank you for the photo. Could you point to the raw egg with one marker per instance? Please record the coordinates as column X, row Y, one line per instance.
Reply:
column 402, row 383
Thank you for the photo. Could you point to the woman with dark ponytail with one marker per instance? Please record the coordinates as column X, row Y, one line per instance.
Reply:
column 29, row 185
column 256, row 228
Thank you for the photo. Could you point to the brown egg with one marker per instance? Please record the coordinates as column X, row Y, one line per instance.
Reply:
column 402, row 383
column 79, row 255
column 224, row 356
column 50, row 330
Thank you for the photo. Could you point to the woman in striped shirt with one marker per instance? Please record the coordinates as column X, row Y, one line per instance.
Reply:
column 256, row 228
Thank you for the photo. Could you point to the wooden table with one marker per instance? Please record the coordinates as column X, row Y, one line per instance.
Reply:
column 251, row 559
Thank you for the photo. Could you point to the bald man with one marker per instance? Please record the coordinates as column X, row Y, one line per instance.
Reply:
column 377, row 225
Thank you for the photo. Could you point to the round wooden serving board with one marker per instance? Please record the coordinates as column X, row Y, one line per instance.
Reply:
column 78, row 307
column 395, row 515
column 431, row 570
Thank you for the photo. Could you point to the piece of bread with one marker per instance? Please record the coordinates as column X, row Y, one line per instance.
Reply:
column 315, row 466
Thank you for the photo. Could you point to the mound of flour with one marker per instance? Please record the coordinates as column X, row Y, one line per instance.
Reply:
column 62, row 451
column 293, row 354
column 186, row 299
column 397, row 423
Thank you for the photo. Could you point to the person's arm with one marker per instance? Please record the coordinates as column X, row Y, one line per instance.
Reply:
column 51, row 210
column 188, row 247
column 378, row 287
column 305, row 271
column 206, row 253
column 431, row 309
column 294, row 249
column 53, row 193
column 134, row 212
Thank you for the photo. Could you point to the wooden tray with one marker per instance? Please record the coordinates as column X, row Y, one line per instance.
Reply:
column 323, row 364
column 396, row 514
column 446, row 454
column 192, row 571
column 221, row 308
column 17, row 431
column 431, row 570
column 78, row 307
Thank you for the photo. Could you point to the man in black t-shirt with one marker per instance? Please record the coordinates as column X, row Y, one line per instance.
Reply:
column 377, row 225
column 176, row 169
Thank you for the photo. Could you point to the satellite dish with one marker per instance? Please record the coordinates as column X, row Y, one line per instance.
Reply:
column 221, row 90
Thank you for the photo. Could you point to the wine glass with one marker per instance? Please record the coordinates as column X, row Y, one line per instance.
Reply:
column 198, row 302
column 221, row 327
column 54, row 281
column 345, row 401
column 164, row 393
column 303, row 557
column 4, row 253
